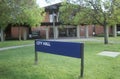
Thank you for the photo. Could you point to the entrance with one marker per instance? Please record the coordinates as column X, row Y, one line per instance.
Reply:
column 67, row 32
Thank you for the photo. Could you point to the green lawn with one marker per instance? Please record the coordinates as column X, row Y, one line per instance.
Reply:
column 19, row 64
column 15, row 43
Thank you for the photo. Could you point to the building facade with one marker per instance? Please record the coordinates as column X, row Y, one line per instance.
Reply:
column 51, row 27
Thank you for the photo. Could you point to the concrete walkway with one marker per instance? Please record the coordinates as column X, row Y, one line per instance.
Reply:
column 76, row 39
column 14, row 47
column 83, row 40
column 60, row 39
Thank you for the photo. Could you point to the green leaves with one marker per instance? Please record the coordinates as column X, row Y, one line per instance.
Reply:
column 20, row 12
column 75, row 14
column 4, row 14
column 66, row 13
column 36, row 16
column 91, row 11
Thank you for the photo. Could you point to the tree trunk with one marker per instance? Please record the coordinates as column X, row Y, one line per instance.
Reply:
column 106, row 34
column 2, row 35
column 19, row 32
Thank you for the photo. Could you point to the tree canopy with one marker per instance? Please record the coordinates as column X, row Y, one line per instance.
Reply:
column 75, row 14
column 20, row 12
column 102, row 12
column 4, row 14
column 26, row 11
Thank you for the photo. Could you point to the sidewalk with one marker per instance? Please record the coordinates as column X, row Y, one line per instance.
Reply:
column 61, row 39
column 20, row 46
column 14, row 47
column 76, row 39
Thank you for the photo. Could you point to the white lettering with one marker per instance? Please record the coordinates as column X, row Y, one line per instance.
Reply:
column 46, row 44
column 43, row 43
column 39, row 43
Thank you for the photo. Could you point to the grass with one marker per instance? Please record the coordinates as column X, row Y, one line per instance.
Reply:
column 19, row 64
column 111, row 39
column 15, row 43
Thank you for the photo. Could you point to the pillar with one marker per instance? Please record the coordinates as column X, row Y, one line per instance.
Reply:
column 107, row 31
column 25, row 34
column 78, row 31
column 86, row 32
column 55, row 29
column 115, row 31
column 47, row 32
column 67, row 31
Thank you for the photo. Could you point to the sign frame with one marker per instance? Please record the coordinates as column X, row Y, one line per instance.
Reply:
column 81, row 54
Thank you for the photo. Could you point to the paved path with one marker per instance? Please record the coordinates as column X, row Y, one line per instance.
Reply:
column 83, row 40
column 77, row 39
column 14, row 47
column 61, row 39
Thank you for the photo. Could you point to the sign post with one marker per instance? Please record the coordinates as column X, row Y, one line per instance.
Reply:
column 82, row 60
column 70, row 49
column 36, row 58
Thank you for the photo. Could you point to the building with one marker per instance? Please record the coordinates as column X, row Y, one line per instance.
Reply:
column 51, row 27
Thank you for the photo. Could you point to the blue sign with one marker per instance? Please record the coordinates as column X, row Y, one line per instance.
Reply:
column 60, row 48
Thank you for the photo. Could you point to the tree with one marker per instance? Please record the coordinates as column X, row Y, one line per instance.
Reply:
column 105, row 13
column 102, row 12
column 4, row 17
column 25, row 12
column 73, row 13
column 115, row 12
column 76, row 14
column 19, row 12
column 114, row 16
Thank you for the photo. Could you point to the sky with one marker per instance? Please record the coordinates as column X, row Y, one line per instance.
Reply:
column 42, row 3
